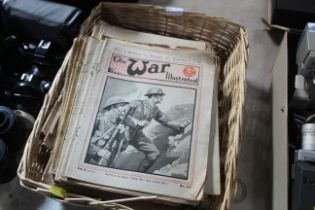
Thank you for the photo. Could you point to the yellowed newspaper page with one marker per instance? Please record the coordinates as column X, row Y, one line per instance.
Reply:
column 146, row 123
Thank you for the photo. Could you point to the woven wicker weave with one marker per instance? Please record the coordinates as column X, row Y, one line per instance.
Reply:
column 229, row 41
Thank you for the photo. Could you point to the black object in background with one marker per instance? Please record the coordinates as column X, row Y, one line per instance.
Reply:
column 6, row 119
column 293, row 38
column 8, row 164
column 293, row 13
column 35, row 38
column 28, row 68
column 37, row 19
column 87, row 5
column 302, row 184
column 14, row 128
column 303, row 192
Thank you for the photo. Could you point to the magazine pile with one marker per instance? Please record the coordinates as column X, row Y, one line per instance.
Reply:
column 137, row 118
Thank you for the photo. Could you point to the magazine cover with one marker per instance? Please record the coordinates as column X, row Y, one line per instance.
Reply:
column 140, row 127
column 146, row 124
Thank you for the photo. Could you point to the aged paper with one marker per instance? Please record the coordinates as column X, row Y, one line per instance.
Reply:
column 160, row 135
column 213, row 180
column 93, row 51
column 103, row 30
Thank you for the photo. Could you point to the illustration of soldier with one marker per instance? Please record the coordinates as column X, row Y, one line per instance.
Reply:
column 100, row 149
column 140, row 114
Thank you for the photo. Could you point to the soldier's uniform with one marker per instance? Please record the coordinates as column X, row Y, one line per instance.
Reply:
column 106, row 127
column 143, row 110
column 107, row 124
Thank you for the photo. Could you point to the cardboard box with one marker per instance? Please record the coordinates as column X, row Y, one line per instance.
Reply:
column 280, row 128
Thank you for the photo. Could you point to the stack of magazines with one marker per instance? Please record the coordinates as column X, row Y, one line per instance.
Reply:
column 136, row 118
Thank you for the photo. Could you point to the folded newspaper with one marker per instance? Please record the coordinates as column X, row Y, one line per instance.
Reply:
column 137, row 116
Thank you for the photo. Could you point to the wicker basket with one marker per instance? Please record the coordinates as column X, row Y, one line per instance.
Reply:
column 229, row 41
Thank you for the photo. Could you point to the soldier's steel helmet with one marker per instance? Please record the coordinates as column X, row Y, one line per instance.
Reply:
column 114, row 100
column 155, row 91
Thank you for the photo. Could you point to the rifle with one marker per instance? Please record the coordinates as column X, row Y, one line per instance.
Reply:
column 104, row 135
column 112, row 138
